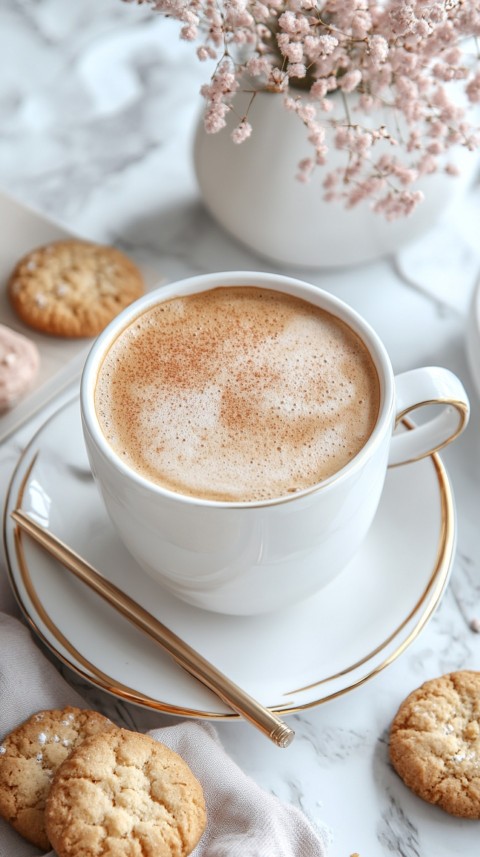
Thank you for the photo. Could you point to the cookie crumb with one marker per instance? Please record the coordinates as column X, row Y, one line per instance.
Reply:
column 475, row 625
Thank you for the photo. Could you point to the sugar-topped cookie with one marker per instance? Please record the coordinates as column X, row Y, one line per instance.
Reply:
column 124, row 793
column 19, row 362
column 29, row 757
column 73, row 288
column 435, row 742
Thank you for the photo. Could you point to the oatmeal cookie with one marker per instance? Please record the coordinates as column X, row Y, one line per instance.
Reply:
column 29, row 757
column 126, row 794
column 435, row 742
column 73, row 288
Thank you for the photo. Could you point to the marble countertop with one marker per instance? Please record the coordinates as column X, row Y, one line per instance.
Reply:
column 98, row 104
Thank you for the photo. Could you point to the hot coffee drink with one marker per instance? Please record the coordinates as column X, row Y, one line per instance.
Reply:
column 237, row 394
column 256, row 417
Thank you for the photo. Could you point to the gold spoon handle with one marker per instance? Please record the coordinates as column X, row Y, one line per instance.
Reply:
column 191, row 661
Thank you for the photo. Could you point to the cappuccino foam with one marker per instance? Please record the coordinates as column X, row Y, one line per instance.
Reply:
column 237, row 394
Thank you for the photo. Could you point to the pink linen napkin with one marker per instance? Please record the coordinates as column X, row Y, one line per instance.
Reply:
column 243, row 819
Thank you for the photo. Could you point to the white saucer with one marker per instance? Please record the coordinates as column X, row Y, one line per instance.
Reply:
column 290, row 660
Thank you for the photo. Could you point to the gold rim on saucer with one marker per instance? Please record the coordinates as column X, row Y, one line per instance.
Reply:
column 429, row 600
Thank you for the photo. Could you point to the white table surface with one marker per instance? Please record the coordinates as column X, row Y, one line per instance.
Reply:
column 98, row 103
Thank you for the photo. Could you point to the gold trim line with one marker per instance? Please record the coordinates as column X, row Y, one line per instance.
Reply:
column 459, row 406
column 436, row 585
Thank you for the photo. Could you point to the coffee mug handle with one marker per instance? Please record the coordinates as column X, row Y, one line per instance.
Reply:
column 428, row 386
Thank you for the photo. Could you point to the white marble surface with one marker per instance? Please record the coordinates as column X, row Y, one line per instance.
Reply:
column 98, row 103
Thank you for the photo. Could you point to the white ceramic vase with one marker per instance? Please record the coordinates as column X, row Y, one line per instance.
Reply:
column 251, row 189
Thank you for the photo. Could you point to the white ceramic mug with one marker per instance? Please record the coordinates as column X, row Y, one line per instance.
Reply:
column 255, row 557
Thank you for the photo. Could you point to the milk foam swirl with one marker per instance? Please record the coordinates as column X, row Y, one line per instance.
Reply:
column 237, row 394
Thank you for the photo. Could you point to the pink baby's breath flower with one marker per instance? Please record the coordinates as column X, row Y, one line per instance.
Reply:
column 405, row 176
column 293, row 52
column 361, row 192
column 190, row 33
column 327, row 44
column 395, row 205
column 311, row 46
column 473, row 89
column 342, row 138
column 435, row 148
column 260, row 12
column 366, row 102
column 259, row 66
column 321, row 153
column 305, row 169
column 427, row 164
column 378, row 48
column 361, row 142
column 214, row 119
column 453, row 56
column 336, row 62
column 203, row 53
column 278, row 79
column 307, row 113
column 297, row 69
column 326, row 105
column 350, row 81
column 241, row 132
column 317, row 137
column 288, row 22
column 319, row 89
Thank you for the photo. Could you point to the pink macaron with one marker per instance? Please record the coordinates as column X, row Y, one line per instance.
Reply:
column 19, row 363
